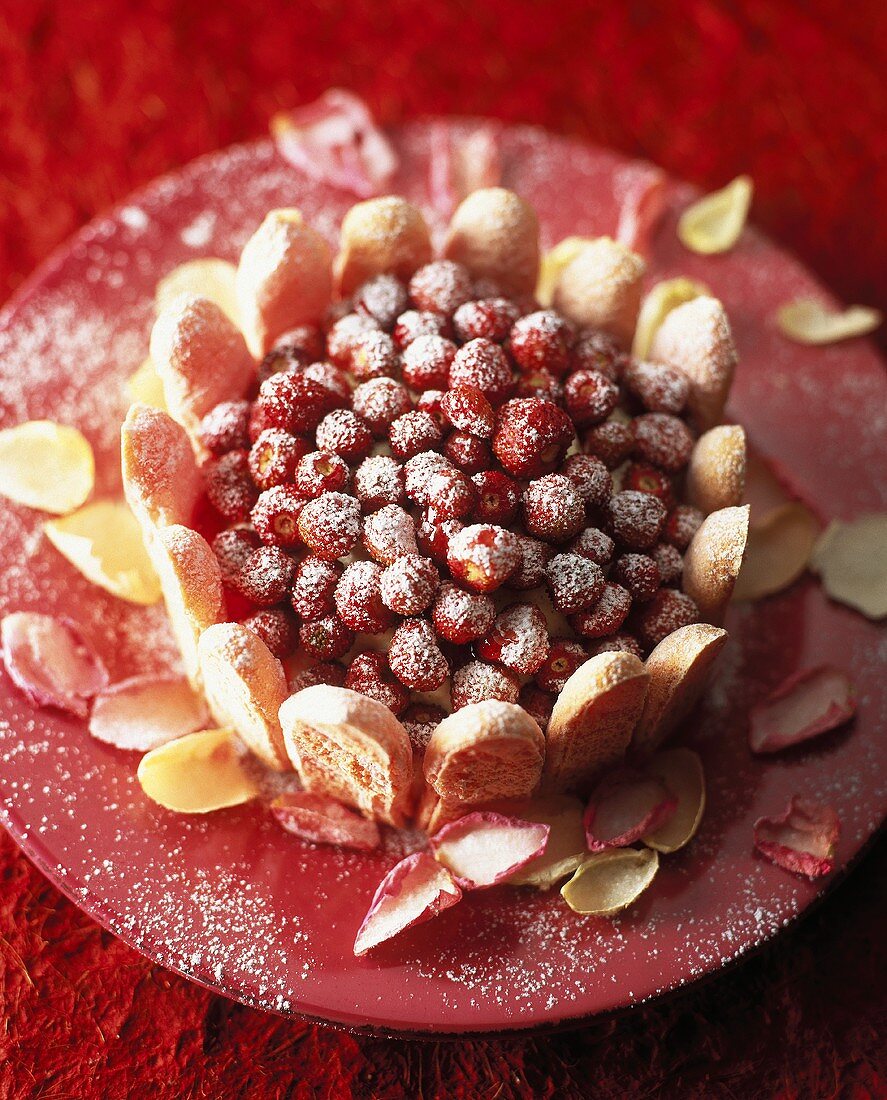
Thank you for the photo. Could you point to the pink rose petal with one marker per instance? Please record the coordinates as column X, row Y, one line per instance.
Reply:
column 322, row 820
column 802, row 840
column 642, row 193
column 484, row 848
column 805, row 705
column 335, row 140
column 455, row 171
column 50, row 662
column 147, row 711
column 624, row 807
column 414, row 890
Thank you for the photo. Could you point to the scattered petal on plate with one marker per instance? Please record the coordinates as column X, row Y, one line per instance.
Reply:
column 681, row 771
column 807, row 321
column 104, row 542
column 46, row 465
column 49, row 661
column 553, row 263
column 624, row 806
column 802, row 840
column 565, row 849
column 144, row 387
column 777, row 552
column 714, row 222
column 609, row 881
column 205, row 278
column 482, row 848
column 414, row 890
column 147, row 711
column 767, row 486
column 335, row 140
column 851, row 559
column 197, row 773
column 323, row 820
column 641, row 193
column 659, row 302
column 811, row 702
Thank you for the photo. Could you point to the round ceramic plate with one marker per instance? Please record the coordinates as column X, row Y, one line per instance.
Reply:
column 233, row 902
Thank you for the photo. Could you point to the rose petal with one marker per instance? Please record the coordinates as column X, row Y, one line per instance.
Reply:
column 144, row 387
column 49, row 661
column 623, row 807
column 483, row 848
column 802, row 840
column 777, row 552
column 454, row 171
column 811, row 702
column 335, row 140
column 565, row 849
column 196, row 774
column 414, row 890
column 322, row 820
column 104, row 542
column 851, row 559
column 610, row 881
column 807, row 321
column 145, row 712
column 206, row 278
column 46, row 465
column 661, row 300
column 641, row 193
column 681, row 771
column 553, row 263
column 714, row 223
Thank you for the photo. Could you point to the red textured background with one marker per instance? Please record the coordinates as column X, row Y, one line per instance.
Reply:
column 98, row 97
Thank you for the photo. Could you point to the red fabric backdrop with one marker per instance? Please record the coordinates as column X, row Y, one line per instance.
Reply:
column 99, row 96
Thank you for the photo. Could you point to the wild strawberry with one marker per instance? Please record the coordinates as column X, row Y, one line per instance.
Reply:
column 232, row 547
column 590, row 397
column 534, row 555
column 369, row 674
column 518, row 639
column 384, row 298
column 327, row 638
column 478, row 681
column 420, row 720
column 274, row 456
column 374, row 355
column 663, row 440
column 666, row 612
column 380, row 402
column 276, row 515
column 427, row 361
column 429, row 401
column 441, row 287
column 600, row 352
column 648, row 479
column 332, row 379
column 462, row 617
column 468, row 453
column 408, row 585
column 277, row 629
column 553, row 508
column 266, row 576
column 483, row 365
column 564, row 657
column 542, row 340
column 669, row 562
column 304, row 343
column 323, row 672
column 389, row 534
column 612, row 442
column 681, row 525
column 498, row 498
column 358, row 599
column 486, row 318
column 531, row 436
column 229, row 487
column 434, row 535
column 413, row 323
column 417, row 473
column 658, row 387
column 413, row 433
column 483, row 556
column 415, row 657
column 606, row 616
column 314, row 587
column 346, row 434
column 378, row 481
column 330, row 524
column 637, row 518
column 538, row 704
column 575, row 583
column 226, row 427
column 540, row 383
column 466, row 408
column 591, row 477
column 618, row 643
column 450, row 494
column 639, row 574
column 343, row 334
column 321, row 472
column 280, row 360
column 593, row 544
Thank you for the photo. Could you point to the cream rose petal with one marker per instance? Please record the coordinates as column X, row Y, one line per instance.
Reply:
column 807, row 321
column 715, row 222
column 46, row 465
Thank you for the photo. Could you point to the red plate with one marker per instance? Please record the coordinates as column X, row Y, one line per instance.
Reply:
column 230, row 900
